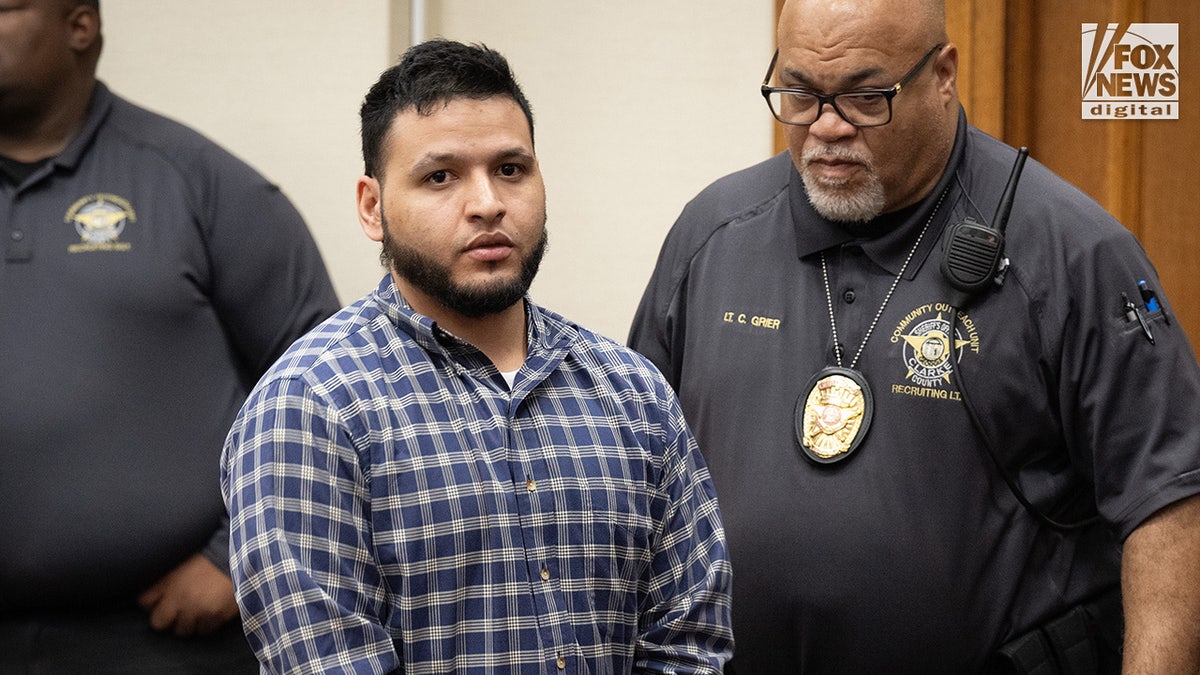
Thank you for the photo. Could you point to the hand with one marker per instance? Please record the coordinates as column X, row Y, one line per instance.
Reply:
column 195, row 598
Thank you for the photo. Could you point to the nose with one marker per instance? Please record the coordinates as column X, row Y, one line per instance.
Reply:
column 484, row 201
column 830, row 125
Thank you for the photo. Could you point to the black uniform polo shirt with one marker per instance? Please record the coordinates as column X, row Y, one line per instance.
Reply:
column 147, row 279
column 913, row 555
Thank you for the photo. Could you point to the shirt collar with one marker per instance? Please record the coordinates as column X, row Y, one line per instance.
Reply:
column 99, row 106
column 887, row 239
column 544, row 331
column 98, row 109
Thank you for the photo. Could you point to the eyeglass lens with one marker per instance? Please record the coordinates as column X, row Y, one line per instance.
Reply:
column 859, row 108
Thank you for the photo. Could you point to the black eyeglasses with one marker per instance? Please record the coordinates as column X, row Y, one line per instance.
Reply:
column 860, row 107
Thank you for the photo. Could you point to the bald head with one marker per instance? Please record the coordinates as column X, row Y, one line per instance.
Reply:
column 919, row 23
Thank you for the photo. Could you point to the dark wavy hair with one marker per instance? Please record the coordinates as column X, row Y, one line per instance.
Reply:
column 430, row 74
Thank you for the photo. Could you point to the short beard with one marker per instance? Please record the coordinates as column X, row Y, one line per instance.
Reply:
column 433, row 278
column 837, row 200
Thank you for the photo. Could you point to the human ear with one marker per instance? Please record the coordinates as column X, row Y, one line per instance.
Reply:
column 370, row 207
column 945, row 67
column 83, row 25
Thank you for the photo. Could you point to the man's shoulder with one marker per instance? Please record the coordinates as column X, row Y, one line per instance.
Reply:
column 1046, row 206
column 745, row 198
column 343, row 344
column 152, row 127
column 739, row 193
column 597, row 350
column 190, row 151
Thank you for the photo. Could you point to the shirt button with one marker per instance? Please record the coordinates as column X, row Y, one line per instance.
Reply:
column 561, row 663
column 17, row 235
column 531, row 485
column 838, row 351
column 545, row 574
column 848, row 296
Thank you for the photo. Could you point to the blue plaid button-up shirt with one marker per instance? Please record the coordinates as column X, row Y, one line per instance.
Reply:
column 396, row 507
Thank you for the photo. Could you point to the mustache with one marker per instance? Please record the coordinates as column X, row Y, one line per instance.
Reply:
column 834, row 153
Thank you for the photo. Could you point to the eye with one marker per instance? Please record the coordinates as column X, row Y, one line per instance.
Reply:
column 865, row 98
column 510, row 170
column 438, row 177
column 801, row 99
column 871, row 98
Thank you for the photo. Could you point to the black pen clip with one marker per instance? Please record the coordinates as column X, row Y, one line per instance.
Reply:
column 1132, row 314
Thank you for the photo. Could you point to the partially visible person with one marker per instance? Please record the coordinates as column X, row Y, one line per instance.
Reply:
column 863, row 416
column 445, row 477
column 148, row 279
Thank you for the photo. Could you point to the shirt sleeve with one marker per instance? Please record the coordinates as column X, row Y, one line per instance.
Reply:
column 301, row 557
column 685, row 620
column 217, row 549
column 651, row 332
column 1128, row 393
column 268, row 282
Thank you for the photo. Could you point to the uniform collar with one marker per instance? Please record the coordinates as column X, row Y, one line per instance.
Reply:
column 98, row 109
column 887, row 239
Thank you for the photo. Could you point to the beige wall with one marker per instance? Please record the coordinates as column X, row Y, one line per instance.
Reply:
column 638, row 105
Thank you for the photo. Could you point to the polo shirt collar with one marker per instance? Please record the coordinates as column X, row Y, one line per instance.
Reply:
column 98, row 109
column 887, row 239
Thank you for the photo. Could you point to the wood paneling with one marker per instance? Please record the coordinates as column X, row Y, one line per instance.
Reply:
column 1169, row 207
column 981, row 68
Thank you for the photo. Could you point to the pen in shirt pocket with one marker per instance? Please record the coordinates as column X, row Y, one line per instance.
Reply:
column 1151, row 299
column 1132, row 314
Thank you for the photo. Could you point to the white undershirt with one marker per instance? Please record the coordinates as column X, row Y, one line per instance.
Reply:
column 510, row 377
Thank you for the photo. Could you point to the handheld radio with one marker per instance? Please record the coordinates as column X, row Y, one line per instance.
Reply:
column 973, row 253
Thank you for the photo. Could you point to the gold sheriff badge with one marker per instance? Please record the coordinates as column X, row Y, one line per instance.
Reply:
column 835, row 415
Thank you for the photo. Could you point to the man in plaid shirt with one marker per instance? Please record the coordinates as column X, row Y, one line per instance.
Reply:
column 446, row 477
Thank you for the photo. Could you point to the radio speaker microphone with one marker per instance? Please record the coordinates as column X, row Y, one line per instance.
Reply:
column 972, row 252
